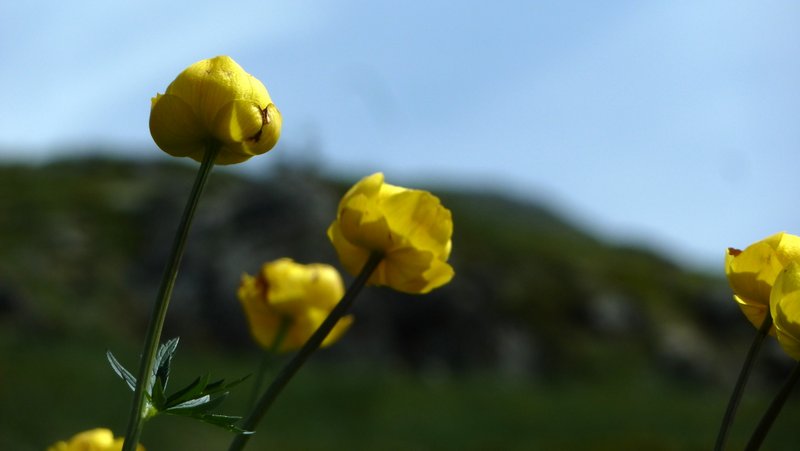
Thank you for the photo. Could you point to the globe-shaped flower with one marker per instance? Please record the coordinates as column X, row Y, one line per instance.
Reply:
column 214, row 102
column 298, row 296
column 784, row 303
column 99, row 439
column 752, row 272
column 410, row 228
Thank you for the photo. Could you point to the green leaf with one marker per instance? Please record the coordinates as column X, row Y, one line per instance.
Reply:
column 121, row 371
column 162, row 364
column 191, row 391
column 236, row 382
column 190, row 404
column 198, row 405
column 158, row 398
column 220, row 385
column 215, row 400
column 224, row 421
column 196, row 399
column 216, row 385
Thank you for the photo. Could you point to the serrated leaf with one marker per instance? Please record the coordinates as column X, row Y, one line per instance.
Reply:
column 192, row 403
column 224, row 421
column 197, row 406
column 191, row 391
column 237, row 382
column 220, row 385
column 158, row 398
column 216, row 385
column 216, row 399
column 162, row 364
column 167, row 349
column 121, row 371
column 196, row 399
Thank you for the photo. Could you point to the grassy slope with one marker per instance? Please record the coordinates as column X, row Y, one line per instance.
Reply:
column 74, row 230
column 363, row 408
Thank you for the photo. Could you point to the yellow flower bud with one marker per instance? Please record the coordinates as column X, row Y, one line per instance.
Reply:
column 215, row 102
column 784, row 304
column 409, row 227
column 99, row 439
column 301, row 295
column 752, row 272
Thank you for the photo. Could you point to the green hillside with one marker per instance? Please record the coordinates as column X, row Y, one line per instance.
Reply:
column 541, row 313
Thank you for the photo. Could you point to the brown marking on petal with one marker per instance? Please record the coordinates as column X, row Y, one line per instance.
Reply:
column 733, row 252
column 265, row 120
column 265, row 116
column 263, row 288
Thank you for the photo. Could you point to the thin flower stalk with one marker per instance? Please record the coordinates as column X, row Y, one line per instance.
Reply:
column 741, row 381
column 140, row 408
column 772, row 412
column 266, row 358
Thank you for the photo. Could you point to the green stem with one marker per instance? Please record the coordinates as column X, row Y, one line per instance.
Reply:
column 744, row 375
column 266, row 358
column 772, row 412
column 305, row 352
column 140, row 408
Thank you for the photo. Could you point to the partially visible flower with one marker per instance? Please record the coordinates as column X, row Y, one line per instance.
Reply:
column 410, row 228
column 215, row 102
column 784, row 303
column 99, row 439
column 752, row 272
column 298, row 296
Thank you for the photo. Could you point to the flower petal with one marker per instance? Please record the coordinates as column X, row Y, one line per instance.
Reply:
column 363, row 225
column 409, row 228
column 209, row 84
column 238, row 120
column 268, row 136
column 228, row 108
column 754, row 312
column 352, row 257
column 785, row 308
column 369, row 187
column 175, row 128
column 406, row 270
column 752, row 272
column 418, row 216
column 285, row 292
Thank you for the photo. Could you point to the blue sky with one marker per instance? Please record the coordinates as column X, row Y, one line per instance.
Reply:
column 673, row 124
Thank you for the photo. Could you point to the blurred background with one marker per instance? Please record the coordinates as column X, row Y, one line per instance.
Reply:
column 598, row 160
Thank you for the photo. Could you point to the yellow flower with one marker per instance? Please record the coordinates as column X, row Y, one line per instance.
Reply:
column 410, row 228
column 300, row 295
column 215, row 102
column 784, row 304
column 752, row 272
column 99, row 439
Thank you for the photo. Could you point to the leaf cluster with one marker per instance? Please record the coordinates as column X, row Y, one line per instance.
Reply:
column 195, row 400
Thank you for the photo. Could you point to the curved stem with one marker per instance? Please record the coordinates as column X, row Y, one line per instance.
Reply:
column 738, row 389
column 141, row 408
column 305, row 352
column 772, row 412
